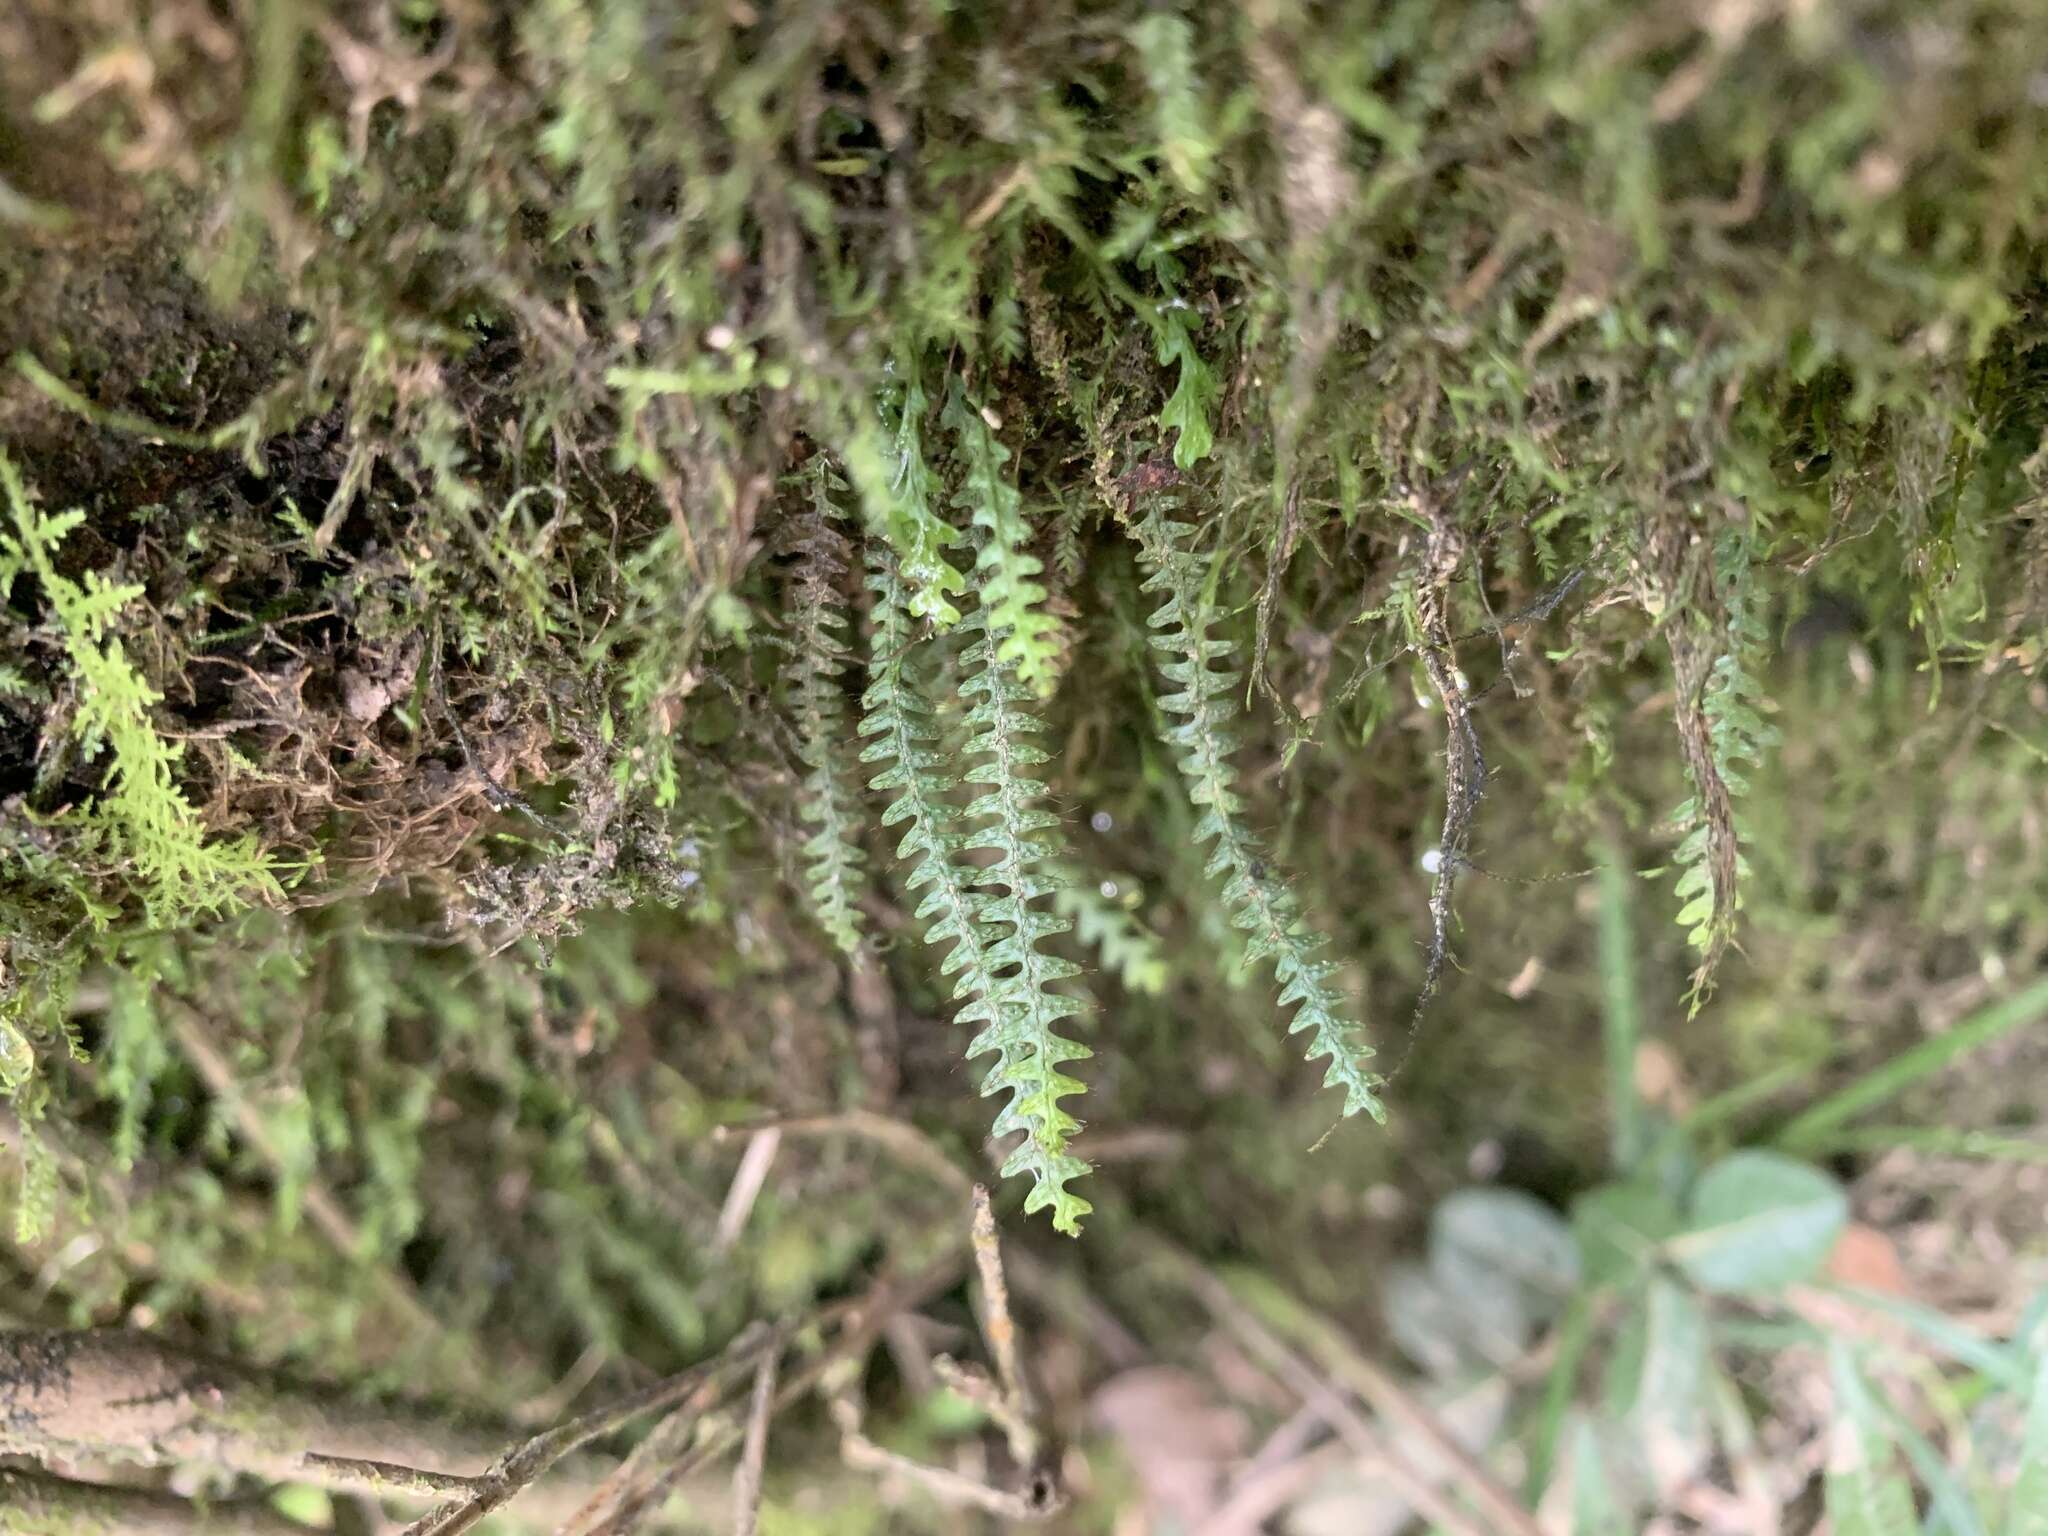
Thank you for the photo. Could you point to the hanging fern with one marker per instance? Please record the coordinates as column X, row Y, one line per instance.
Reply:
column 1724, row 734
column 832, row 854
column 1026, row 636
column 920, row 535
column 1129, row 949
column 984, row 919
column 1020, row 1011
column 1259, row 901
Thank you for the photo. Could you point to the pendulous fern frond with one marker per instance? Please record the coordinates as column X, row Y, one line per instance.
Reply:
column 986, row 919
column 1128, row 948
column 1259, row 900
column 920, row 535
column 1020, row 1012
column 1724, row 735
column 832, row 854
column 1012, row 597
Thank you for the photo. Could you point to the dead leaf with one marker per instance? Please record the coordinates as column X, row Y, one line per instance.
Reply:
column 1867, row 1259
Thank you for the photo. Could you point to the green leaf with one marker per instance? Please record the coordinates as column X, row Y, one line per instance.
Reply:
column 1594, row 1509
column 2027, row 1514
column 1759, row 1221
column 305, row 1503
column 1621, row 1021
column 1166, row 48
column 1187, row 410
column 1511, row 1234
column 1813, row 1130
column 1618, row 1229
column 1865, row 1493
column 1656, row 1385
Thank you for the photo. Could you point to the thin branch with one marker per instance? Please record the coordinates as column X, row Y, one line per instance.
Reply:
column 886, row 1299
column 910, row 1145
column 947, row 1486
column 512, row 1472
column 746, row 1187
column 746, row 1481
column 1000, row 1329
column 381, row 1477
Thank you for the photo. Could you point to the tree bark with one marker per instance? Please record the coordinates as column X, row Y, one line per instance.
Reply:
column 113, row 1393
column 35, row 1504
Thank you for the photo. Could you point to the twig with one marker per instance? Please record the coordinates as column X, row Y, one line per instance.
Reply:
column 1009, row 1403
column 387, row 1476
column 746, row 1187
column 1034, row 1502
column 512, row 1472
column 1001, row 1331
column 910, row 1145
column 746, row 1482
column 864, row 1324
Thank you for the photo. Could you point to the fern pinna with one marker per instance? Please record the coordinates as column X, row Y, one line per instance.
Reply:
column 1259, row 901
column 832, row 854
column 985, row 919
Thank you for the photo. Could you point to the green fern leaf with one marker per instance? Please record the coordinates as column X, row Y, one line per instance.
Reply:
column 1166, row 47
column 1012, row 597
column 884, row 455
column 985, row 920
column 1187, row 409
column 1020, row 1012
column 1259, row 901
column 1130, row 950
column 832, row 854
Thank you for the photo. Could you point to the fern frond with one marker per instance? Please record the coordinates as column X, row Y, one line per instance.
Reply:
column 881, row 444
column 904, row 736
column 1724, row 735
column 1166, row 48
column 1012, row 597
column 1101, row 922
column 1020, row 1012
column 984, row 919
column 1187, row 410
column 1259, row 900
column 832, row 854
column 920, row 535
